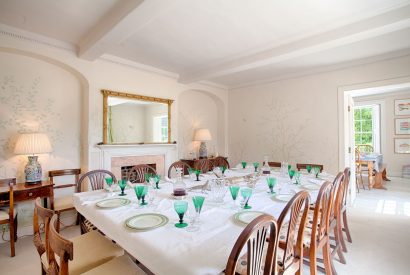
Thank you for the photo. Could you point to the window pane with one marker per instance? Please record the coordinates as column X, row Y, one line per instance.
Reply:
column 367, row 139
column 358, row 139
column 367, row 113
column 357, row 126
column 356, row 114
column 367, row 126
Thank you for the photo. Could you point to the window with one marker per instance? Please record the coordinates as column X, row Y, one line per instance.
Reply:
column 161, row 129
column 367, row 125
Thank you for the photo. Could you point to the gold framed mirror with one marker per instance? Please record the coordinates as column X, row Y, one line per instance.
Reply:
column 135, row 119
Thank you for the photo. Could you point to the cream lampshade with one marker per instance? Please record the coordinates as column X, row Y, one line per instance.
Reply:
column 202, row 135
column 30, row 144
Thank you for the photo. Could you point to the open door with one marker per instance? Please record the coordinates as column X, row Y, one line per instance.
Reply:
column 350, row 158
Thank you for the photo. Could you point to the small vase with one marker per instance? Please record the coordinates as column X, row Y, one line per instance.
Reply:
column 33, row 170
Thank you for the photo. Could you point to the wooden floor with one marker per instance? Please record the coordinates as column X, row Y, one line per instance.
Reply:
column 379, row 222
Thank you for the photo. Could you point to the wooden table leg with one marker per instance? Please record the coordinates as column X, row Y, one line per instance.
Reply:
column 370, row 174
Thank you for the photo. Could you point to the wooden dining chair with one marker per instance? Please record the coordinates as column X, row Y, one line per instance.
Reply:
column 291, row 223
column 96, row 180
column 218, row 162
column 274, row 164
column 92, row 249
column 345, row 226
column 8, row 215
column 65, row 203
column 301, row 166
column 63, row 255
column 365, row 148
column 137, row 173
column 358, row 170
column 178, row 164
column 260, row 237
column 317, row 232
column 335, row 221
column 203, row 165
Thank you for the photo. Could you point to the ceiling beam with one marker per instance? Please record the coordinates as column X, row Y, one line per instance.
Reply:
column 125, row 19
column 388, row 22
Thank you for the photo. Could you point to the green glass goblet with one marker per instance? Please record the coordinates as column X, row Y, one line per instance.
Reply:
column 223, row 169
column 308, row 168
column 291, row 174
column 109, row 182
column 271, row 181
column 256, row 165
column 246, row 195
column 147, row 176
column 122, row 184
column 234, row 189
column 244, row 164
column 197, row 173
column 316, row 171
column 289, row 167
column 297, row 177
column 141, row 191
column 198, row 203
column 157, row 178
column 181, row 207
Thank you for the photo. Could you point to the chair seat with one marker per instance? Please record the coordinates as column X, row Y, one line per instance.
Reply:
column 63, row 203
column 307, row 235
column 120, row 265
column 90, row 250
column 4, row 213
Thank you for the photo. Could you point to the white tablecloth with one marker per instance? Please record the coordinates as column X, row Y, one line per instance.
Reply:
column 376, row 158
column 171, row 250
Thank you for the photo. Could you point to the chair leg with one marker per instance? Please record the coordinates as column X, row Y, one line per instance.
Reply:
column 58, row 222
column 313, row 261
column 338, row 247
column 346, row 227
column 327, row 259
column 12, row 248
column 15, row 228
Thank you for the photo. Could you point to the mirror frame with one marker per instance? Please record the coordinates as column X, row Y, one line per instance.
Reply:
column 107, row 93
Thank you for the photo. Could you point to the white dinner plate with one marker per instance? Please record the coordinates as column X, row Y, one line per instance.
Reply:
column 311, row 186
column 246, row 217
column 113, row 203
column 147, row 221
column 283, row 197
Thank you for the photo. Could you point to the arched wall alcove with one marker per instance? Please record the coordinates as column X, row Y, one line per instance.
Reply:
column 201, row 109
column 39, row 93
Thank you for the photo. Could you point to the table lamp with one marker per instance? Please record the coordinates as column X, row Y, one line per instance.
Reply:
column 202, row 135
column 30, row 144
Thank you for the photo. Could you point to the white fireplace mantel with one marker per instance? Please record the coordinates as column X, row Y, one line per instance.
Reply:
column 108, row 151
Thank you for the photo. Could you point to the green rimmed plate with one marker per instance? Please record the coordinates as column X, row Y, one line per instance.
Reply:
column 147, row 221
column 311, row 187
column 113, row 203
column 246, row 217
column 283, row 197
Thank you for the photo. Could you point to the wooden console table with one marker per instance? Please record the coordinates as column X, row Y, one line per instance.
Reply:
column 193, row 162
column 376, row 179
column 26, row 192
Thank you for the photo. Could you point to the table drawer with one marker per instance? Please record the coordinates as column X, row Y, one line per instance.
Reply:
column 24, row 195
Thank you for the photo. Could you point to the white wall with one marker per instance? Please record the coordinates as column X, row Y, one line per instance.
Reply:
column 297, row 119
column 393, row 161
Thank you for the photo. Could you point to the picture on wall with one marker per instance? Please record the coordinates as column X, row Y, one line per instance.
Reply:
column 402, row 145
column 402, row 107
column 402, row 126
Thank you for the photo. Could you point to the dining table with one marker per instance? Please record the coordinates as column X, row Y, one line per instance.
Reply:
column 376, row 169
column 171, row 250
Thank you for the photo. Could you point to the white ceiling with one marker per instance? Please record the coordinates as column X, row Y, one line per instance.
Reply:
column 230, row 42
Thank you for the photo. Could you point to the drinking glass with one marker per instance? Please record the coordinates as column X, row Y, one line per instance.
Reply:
column 244, row 164
column 291, row 174
column 256, row 165
column 141, row 191
column 157, row 178
column 198, row 203
column 109, row 182
column 152, row 191
column 122, row 184
column 147, row 176
column 218, row 171
column 271, row 181
column 218, row 190
column 234, row 189
column 181, row 207
column 308, row 168
column 297, row 177
column 316, row 171
column 246, row 195
column 223, row 169
column 197, row 173
column 191, row 173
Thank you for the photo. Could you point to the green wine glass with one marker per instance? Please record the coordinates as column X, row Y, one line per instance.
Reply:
column 308, row 168
column 316, row 171
column 234, row 189
column 291, row 174
column 197, row 173
column 256, row 165
column 246, row 195
column 271, row 181
column 157, row 178
column 122, row 184
column 181, row 207
column 289, row 167
column 109, row 182
column 147, row 176
column 223, row 169
column 243, row 164
column 141, row 191
column 198, row 203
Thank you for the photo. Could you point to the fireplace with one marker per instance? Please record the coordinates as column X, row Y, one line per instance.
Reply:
column 125, row 170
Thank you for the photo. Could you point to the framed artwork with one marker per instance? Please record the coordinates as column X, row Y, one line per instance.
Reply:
column 402, row 126
column 402, row 145
column 402, row 107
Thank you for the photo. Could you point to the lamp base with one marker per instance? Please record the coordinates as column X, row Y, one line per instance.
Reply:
column 203, row 153
column 33, row 170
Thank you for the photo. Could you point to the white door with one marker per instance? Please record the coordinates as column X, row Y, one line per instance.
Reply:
column 350, row 157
